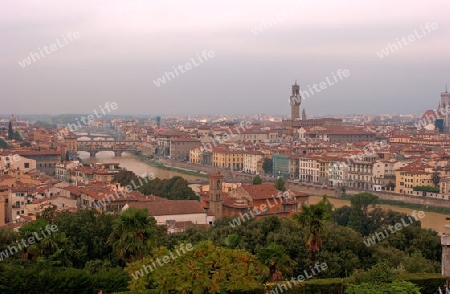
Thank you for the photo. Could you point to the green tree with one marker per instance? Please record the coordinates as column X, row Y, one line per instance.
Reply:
column 280, row 184
column 17, row 137
column 257, row 180
column 204, row 269
column 342, row 215
column 175, row 188
column 124, row 177
column 10, row 131
column 313, row 219
column 88, row 230
column 278, row 262
column 66, row 158
column 133, row 234
column 49, row 214
column 436, row 178
column 3, row 144
column 267, row 165
column 359, row 216
column 25, row 144
column 390, row 186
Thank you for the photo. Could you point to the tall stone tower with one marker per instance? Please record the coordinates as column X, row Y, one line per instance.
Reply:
column 215, row 194
column 296, row 100
column 443, row 109
column 72, row 145
column 304, row 114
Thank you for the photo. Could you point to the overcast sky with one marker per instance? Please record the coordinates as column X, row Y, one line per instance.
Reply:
column 124, row 46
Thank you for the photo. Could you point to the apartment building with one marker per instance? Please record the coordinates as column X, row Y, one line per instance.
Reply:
column 250, row 161
column 225, row 158
column 309, row 169
column 180, row 147
column 410, row 176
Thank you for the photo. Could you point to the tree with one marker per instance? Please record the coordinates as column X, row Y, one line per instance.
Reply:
column 25, row 144
column 436, row 179
column 10, row 131
column 54, row 249
column 390, row 186
column 313, row 219
column 175, row 188
column 124, row 177
column 50, row 213
column 88, row 230
column 280, row 184
column 133, row 234
column 17, row 137
column 205, row 268
column 3, row 144
column 359, row 215
column 342, row 215
column 278, row 262
column 267, row 165
column 257, row 180
column 67, row 158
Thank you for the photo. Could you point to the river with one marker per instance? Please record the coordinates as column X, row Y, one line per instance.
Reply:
column 133, row 163
column 432, row 220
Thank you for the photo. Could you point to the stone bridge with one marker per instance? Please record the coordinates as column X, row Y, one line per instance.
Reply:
column 116, row 146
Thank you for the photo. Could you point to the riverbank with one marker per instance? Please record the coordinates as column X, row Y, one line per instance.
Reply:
column 161, row 165
column 432, row 220
column 429, row 208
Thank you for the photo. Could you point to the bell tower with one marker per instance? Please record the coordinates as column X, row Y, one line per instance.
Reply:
column 296, row 100
column 215, row 194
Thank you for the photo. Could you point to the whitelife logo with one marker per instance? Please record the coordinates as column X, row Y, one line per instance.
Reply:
column 49, row 49
column 322, row 85
column 394, row 229
column 184, row 68
column 411, row 38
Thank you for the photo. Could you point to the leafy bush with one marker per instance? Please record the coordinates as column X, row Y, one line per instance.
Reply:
column 396, row 287
column 426, row 189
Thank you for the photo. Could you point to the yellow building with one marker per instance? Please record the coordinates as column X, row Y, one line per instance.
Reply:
column 195, row 155
column 225, row 158
column 411, row 176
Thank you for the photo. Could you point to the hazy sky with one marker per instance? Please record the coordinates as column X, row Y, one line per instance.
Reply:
column 123, row 46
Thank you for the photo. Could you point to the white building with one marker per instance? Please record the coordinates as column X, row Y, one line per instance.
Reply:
column 169, row 212
column 250, row 161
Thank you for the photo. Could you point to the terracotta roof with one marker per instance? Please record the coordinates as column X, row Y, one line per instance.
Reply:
column 259, row 192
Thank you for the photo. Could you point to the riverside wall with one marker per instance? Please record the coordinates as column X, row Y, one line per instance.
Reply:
column 384, row 195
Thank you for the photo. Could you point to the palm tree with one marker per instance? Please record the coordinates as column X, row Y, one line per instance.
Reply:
column 313, row 218
column 133, row 234
column 277, row 260
column 54, row 248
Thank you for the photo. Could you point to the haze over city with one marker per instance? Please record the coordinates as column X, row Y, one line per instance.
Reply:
column 260, row 48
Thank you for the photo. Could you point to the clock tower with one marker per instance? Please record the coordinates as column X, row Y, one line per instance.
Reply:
column 296, row 100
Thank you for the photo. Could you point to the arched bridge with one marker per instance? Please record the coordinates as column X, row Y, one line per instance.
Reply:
column 117, row 146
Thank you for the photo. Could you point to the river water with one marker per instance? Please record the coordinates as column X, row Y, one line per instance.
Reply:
column 134, row 164
column 432, row 220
